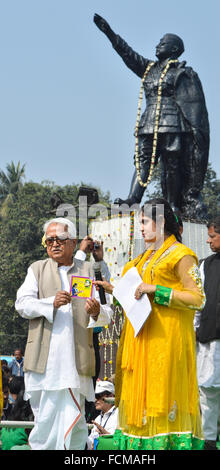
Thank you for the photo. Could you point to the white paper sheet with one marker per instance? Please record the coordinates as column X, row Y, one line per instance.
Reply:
column 137, row 311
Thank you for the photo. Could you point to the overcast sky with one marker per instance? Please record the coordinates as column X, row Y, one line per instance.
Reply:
column 68, row 103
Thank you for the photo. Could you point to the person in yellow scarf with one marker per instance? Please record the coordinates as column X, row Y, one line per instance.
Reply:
column 156, row 380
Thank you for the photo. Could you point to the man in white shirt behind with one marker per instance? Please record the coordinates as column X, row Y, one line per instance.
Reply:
column 59, row 360
column 107, row 421
column 207, row 325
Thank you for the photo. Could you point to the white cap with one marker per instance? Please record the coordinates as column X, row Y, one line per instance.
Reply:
column 104, row 386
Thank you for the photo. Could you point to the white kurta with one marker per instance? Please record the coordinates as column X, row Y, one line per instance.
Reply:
column 208, row 355
column 208, row 373
column 61, row 372
column 208, row 364
column 61, row 369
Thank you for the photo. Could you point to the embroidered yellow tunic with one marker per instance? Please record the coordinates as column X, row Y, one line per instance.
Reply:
column 156, row 371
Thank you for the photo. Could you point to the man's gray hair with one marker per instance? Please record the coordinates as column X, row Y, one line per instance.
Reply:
column 63, row 221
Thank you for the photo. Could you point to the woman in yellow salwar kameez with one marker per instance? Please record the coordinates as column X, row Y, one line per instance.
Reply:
column 156, row 382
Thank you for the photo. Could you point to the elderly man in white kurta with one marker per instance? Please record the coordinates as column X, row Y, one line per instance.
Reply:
column 59, row 358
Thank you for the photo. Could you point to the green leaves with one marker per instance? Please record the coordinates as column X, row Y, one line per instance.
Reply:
column 11, row 182
column 211, row 193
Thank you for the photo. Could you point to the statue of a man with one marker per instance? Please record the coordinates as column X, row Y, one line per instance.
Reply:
column 174, row 126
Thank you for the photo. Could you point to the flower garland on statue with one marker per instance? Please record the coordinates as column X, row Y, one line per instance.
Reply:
column 131, row 241
column 156, row 125
column 108, row 338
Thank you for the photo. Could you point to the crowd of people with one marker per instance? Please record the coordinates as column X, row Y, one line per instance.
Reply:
column 15, row 408
column 101, row 415
column 166, row 390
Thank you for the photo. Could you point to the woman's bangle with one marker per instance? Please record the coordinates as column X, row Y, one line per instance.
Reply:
column 116, row 302
column 163, row 295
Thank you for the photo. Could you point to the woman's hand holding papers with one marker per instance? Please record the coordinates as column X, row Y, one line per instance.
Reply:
column 144, row 289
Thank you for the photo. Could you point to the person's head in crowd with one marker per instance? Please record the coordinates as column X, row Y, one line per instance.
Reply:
column 16, row 385
column 104, row 390
column 158, row 221
column 214, row 235
column 60, row 240
column 18, row 354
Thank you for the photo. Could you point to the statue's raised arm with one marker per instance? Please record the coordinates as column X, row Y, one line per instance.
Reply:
column 132, row 59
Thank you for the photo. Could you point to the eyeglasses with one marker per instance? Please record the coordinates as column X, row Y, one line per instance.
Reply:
column 59, row 240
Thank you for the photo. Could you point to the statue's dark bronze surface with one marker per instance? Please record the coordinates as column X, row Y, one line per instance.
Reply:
column 183, row 126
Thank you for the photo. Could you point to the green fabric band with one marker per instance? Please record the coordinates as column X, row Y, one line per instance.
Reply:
column 173, row 441
column 162, row 295
column 115, row 302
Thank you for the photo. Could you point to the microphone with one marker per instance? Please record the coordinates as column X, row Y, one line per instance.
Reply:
column 98, row 277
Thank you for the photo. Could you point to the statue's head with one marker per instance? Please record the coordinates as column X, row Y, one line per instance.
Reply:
column 170, row 47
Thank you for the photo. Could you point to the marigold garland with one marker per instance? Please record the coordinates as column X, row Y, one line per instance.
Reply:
column 109, row 340
column 43, row 243
column 156, row 124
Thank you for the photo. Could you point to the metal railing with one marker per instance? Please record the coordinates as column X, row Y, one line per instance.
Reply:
column 25, row 424
column 16, row 424
column 30, row 424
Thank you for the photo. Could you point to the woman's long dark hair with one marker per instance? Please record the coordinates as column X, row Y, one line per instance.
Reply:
column 171, row 226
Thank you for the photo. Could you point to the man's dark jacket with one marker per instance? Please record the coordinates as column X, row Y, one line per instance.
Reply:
column 209, row 329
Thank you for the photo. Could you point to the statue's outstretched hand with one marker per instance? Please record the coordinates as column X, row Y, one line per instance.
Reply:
column 102, row 24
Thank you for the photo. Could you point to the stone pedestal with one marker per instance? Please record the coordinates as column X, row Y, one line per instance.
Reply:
column 195, row 236
column 123, row 240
